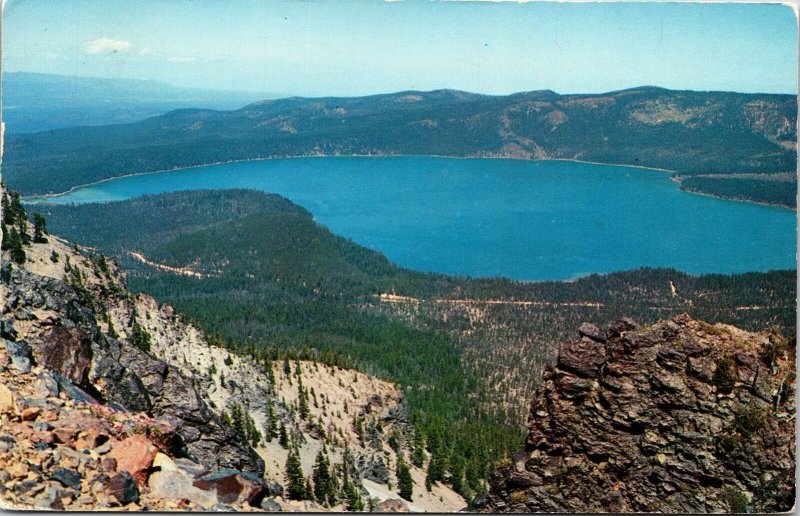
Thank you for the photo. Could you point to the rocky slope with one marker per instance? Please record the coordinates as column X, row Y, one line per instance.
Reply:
column 681, row 416
column 108, row 399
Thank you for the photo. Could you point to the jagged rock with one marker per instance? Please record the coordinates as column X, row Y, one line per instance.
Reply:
column 372, row 468
column 65, row 350
column 73, row 392
column 17, row 470
column 392, row 505
column 273, row 489
column 619, row 327
column 270, row 505
column 7, row 442
column 592, row 331
column 7, row 330
column 50, row 498
column 175, row 485
column 583, row 357
column 30, row 413
column 20, row 354
column 67, row 477
column 681, row 416
column 134, row 455
column 7, row 400
column 193, row 469
column 164, row 463
column 89, row 366
column 232, row 486
column 124, row 488
column 46, row 385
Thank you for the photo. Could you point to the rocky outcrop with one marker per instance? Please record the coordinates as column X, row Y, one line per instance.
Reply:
column 681, row 416
column 58, row 322
column 62, row 454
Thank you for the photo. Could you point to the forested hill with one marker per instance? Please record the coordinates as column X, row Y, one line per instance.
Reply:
column 691, row 133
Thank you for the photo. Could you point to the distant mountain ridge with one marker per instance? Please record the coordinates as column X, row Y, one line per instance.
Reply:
column 689, row 133
column 39, row 101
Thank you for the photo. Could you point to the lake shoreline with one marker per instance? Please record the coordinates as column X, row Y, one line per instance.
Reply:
column 728, row 198
column 35, row 199
column 509, row 208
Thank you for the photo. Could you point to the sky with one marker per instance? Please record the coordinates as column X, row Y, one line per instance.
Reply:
column 360, row 47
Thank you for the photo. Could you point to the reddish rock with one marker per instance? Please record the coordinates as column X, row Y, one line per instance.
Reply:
column 134, row 455
column 91, row 438
column 232, row 486
column 30, row 413
column 42, row 437
column 124, row 488
column 66, row 434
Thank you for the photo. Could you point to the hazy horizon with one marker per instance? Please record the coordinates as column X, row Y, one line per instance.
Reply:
column 319, row 48
column 276, row 96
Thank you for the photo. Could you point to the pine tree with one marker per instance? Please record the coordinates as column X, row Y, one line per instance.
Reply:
column 310, row 491
column 283, row 437
column 436, row 466
column 254, row 433
column 273, row 423
column 24, row 237
column 324, row 487
column 418, row 454
column 472, row 477
column 359, row 424
column 405, row 484
column 270, row 420
column 237, row 415
column 111, row 331
column 302, row 400
column 295, row 480
column 457, row 473
column 15, row 246
column 271, row 376
column 39, row 228
column 102, row 264
column 5, row 245
column 139, row 336
column 352, row 497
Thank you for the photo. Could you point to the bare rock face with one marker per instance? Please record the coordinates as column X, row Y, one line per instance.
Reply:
column 678, row 417
column 65, row 350
column 59, row 323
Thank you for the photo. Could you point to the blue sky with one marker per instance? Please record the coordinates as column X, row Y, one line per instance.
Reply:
column 348, row 47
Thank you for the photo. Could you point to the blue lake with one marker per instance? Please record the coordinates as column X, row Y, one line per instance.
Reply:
column 519, row 219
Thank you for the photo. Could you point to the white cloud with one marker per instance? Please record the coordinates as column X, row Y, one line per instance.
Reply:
column 107, row 46
column 182, row 59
